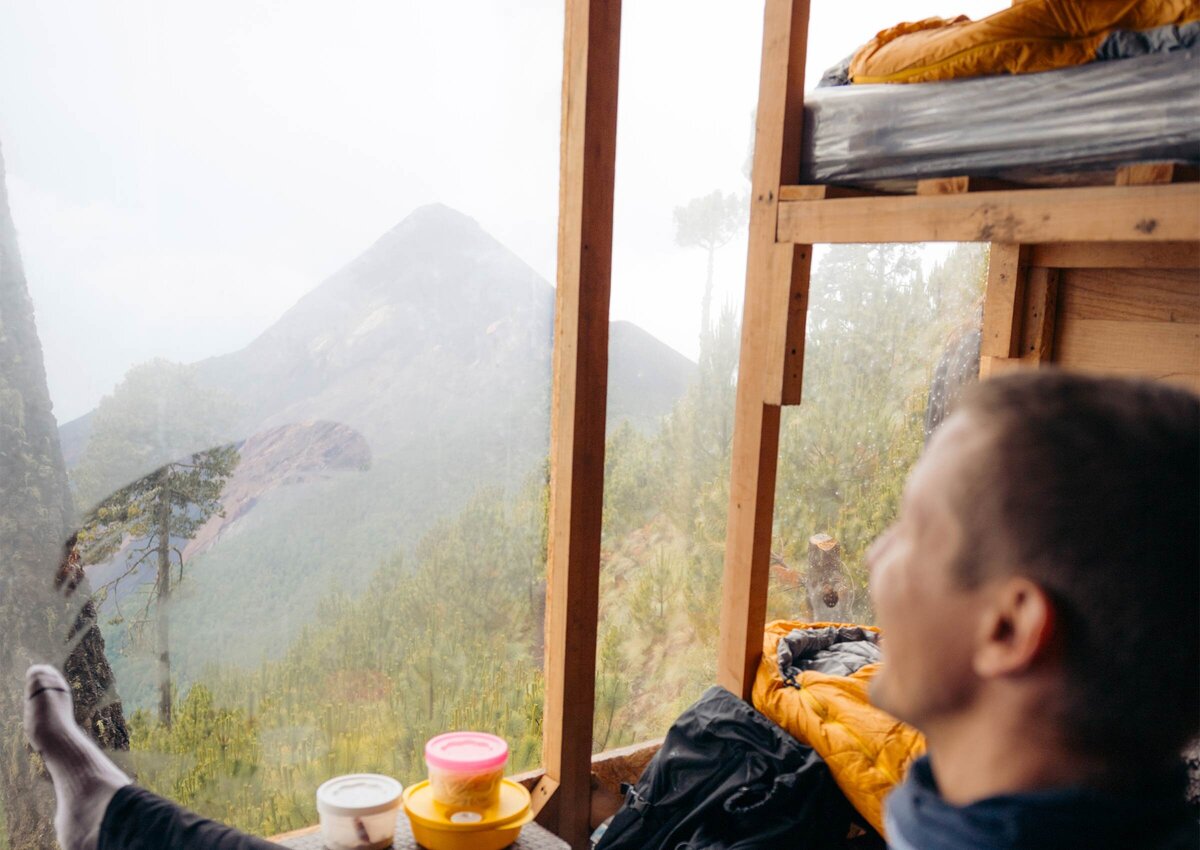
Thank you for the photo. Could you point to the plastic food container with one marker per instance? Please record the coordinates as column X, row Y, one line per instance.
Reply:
column 358, row 812
column 437, row 827
column 466, row 769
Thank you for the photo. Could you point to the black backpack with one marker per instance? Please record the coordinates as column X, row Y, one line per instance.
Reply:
column 727, row 778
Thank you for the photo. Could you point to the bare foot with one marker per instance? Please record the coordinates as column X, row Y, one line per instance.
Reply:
column 85, row 780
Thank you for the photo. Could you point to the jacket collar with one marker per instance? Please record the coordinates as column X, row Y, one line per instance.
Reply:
column 918, row 818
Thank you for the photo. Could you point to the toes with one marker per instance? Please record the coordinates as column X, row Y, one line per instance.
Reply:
column 41, row 678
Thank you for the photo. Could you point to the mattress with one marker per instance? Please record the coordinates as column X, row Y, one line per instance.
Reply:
column 1032, row 128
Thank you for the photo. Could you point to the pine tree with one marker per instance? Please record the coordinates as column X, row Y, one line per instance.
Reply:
column 157, row 512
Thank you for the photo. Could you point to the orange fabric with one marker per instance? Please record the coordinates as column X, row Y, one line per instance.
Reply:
column 1035, row 35
column 867, row 750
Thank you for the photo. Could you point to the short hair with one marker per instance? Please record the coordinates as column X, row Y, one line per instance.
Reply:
column 1091, row 488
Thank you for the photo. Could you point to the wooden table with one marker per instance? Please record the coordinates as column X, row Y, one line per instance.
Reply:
column 533, row 837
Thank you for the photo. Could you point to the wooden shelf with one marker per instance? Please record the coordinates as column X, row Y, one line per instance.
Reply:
column 1162, row 213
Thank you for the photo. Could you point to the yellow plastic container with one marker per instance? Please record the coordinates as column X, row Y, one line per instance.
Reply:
column 438, row 827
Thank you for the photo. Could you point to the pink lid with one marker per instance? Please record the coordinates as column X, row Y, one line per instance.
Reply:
column 466, row 751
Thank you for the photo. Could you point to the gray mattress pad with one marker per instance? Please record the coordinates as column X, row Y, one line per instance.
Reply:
column 1086, row 119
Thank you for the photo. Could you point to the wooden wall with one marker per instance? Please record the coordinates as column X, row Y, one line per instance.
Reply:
column 1116, row 309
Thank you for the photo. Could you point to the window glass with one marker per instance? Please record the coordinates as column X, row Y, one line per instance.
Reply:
column 892, row 339
column 685, row 138
column 291, row 266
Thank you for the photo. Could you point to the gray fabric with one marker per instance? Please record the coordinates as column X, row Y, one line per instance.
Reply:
column 1125, row 44
column 1022, row 127
column 833, row 650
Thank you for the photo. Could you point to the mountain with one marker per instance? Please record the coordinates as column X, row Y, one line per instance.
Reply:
column 433, row 350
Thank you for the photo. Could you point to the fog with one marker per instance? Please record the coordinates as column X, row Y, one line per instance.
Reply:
column 181, row 174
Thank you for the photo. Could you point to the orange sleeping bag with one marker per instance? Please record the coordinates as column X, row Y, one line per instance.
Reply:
column 867, row 750
column 1033, row 35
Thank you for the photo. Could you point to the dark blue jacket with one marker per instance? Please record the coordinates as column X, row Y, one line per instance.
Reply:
column 917, row 818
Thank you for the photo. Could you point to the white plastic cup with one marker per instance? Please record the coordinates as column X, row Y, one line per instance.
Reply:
column 358, row 812
column 466, row 770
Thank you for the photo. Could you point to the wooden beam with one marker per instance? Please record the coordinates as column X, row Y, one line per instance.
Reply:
column 578, row 407
column 1167, row 213
column 1003, row 300
column 1150, row 173
column 822, row 192
column 1117, row 255
column 771, row 316
column 959, row 185
column 1041, row 310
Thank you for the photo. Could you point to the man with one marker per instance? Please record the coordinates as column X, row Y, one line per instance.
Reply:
column 1039, row 598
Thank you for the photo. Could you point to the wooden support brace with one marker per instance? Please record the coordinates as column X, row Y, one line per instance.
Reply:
column 769, row 371
column 578, row 407
column 1003, row 299
column 1041, row 308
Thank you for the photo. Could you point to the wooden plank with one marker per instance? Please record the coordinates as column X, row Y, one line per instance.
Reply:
column 1117, row 255
column 787, row 372
column 1028, row 216
column 1151, row 173
column 1041, row 306
column 578, row 407
column 1154, row 349
column 961, row 184
column 1003, row 300
column 1186, row 380
column 771, row 276
column 822, row 192
column 1160, row 295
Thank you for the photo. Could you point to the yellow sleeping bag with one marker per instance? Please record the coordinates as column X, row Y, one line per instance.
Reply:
column 1034, row 35
column 867, row 750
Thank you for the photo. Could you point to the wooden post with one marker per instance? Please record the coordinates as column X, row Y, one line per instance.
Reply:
column 829, row 592
column 771, row 363
column 578, row 407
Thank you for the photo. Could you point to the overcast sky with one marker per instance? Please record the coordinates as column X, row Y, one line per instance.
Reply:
column 180, row 174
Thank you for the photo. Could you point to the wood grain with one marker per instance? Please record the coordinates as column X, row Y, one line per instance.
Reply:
column 578, row 408
column 768, row 319
column 1168, row 213
column 1160, row 295
column 1117, row 255
column 1155, row 349
column 1003, row 300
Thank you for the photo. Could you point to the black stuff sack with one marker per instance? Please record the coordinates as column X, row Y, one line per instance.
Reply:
column 727, row 778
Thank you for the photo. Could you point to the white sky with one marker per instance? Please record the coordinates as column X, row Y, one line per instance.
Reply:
column 181, row 174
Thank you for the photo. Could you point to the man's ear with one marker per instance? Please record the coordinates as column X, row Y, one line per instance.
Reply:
column 1016, row 630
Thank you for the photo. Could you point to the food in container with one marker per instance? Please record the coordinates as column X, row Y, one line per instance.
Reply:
column 466, row 769
column 358, row 812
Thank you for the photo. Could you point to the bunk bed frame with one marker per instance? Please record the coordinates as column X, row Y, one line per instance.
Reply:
column 1101, row 278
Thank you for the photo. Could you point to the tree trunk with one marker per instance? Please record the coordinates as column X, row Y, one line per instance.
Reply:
column 38, row 622
column 829, row 591
column 706, row 304
column 163, row 597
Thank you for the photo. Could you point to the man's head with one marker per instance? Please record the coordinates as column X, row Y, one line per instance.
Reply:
column 1048, row 545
